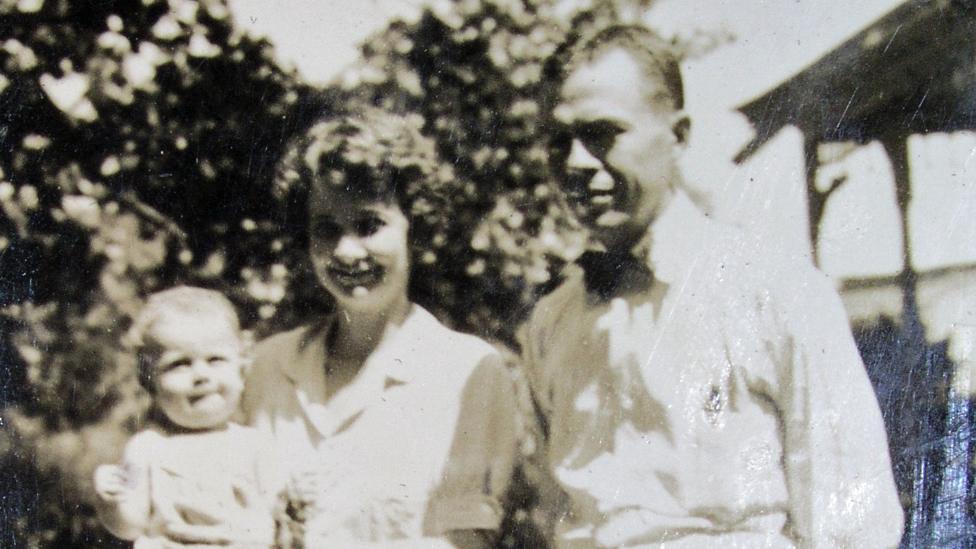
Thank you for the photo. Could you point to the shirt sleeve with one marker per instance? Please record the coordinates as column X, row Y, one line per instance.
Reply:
column 838, row 469
column 482, row 455
column 535, row 336
column 531, row 362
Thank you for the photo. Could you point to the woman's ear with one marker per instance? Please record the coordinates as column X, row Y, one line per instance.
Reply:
column 681, row 127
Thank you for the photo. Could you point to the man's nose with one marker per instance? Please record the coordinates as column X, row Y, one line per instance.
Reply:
column 589, row 167
column 580, row 158
column 349, row 249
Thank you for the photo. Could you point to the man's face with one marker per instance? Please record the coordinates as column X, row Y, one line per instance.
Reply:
column 616, row 160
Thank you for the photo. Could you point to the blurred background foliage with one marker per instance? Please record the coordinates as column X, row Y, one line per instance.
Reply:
column 134, row 142
column 138, row 141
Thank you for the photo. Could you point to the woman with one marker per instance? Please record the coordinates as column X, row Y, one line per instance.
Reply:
column 390, row 428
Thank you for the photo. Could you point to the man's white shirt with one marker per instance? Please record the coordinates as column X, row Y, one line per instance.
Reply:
column 724, row 404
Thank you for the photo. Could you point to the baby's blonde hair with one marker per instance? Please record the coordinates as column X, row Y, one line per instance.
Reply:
column 180, row 300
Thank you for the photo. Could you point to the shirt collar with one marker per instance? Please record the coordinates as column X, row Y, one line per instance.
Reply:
column 310, row 355
column 398, row 362
column 674, row 238
column 680, row 224
column 390, row 358
column 662, row 252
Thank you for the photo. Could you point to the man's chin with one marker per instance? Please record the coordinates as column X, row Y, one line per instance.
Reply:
column 609, row 226
column 611, row 220
column 619, row 231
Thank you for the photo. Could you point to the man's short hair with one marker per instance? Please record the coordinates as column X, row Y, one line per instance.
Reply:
column 182, row 301
column 655, row 55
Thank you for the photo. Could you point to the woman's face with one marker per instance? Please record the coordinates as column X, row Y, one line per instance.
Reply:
column 358, row 248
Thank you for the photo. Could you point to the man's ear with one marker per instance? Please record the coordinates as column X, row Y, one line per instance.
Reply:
column 681, row 127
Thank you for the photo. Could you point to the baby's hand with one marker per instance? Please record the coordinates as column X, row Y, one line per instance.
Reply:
column 112, row 483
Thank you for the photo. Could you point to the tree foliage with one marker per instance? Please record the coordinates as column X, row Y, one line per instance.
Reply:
column 136, row 140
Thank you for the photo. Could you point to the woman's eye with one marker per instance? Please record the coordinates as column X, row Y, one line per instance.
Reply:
column 368, row 225
column 216, row 359
column 325, row 230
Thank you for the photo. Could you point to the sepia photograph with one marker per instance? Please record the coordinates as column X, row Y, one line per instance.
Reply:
column 555, row 274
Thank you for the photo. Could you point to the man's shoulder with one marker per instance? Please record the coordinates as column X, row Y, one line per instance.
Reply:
column 753, row 272
column 732, row 264
column 549, row 313
column 569, row 290
column 736, row 253
column 773, row 269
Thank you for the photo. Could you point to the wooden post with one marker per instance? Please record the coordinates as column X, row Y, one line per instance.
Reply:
column 897, row 148
column 917, row 417
column 815, row 200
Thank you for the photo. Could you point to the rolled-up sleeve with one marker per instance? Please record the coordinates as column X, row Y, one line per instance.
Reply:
column 842, row 490
column 482, row 455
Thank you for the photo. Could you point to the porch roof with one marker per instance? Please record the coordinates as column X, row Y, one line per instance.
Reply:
column 911, row 71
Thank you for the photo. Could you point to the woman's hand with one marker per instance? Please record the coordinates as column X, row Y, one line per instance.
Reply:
column 248, row 522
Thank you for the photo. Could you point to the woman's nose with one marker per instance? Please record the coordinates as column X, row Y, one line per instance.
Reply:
column 349, row 249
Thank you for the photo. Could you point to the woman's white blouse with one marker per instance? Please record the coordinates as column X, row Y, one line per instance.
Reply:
column 421, row 442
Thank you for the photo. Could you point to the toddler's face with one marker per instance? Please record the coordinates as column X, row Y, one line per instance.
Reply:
column 197, row 372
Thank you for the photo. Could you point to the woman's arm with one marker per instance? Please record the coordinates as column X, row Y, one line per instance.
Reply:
column 466, row 509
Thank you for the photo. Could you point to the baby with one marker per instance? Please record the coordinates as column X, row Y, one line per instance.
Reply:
column 190, row 476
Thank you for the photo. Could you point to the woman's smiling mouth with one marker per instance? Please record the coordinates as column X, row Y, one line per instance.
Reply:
column 350, row 278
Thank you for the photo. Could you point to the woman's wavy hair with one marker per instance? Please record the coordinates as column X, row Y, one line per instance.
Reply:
column 370, row 153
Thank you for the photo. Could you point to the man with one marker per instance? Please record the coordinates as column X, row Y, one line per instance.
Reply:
column 695, row 392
